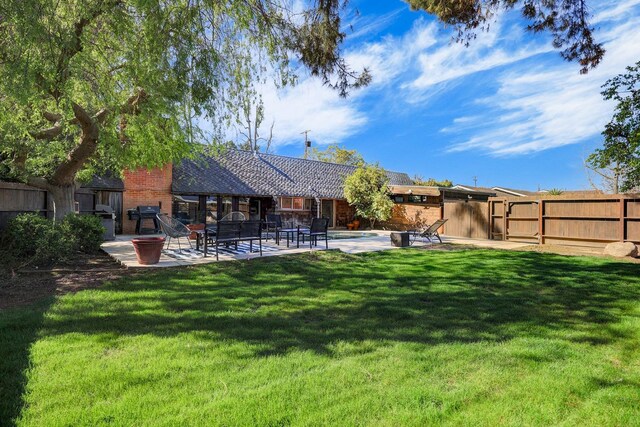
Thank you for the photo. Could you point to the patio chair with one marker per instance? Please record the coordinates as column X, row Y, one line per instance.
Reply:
column 173, row 229
column 234, row 216
column 428, row 232
column 273, row 223
column 318, row 228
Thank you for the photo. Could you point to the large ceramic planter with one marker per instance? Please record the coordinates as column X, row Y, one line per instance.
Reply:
column 194, row 228
column 148, row 249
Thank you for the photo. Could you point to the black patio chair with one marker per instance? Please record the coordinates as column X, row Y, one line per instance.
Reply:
column 319, row 228
column 428, row 232
column 173, row 228
column 273, row 223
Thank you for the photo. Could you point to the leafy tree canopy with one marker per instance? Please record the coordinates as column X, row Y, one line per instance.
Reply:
column 432, row 182
column 621, row 147
column 367, row 191
column 88, row 85
column 336, row 154
column 566, row 20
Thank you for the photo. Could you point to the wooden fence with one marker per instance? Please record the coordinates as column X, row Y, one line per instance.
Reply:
column 18, row 198
column 593, row 221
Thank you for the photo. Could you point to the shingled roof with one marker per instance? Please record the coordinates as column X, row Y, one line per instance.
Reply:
column 244, row 173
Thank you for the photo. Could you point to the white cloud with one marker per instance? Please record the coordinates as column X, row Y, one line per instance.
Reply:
column 309, row 106
column 539, row 109
column 531, row 109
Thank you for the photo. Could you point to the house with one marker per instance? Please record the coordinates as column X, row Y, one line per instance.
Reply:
column 198, row 190
column 202, row 189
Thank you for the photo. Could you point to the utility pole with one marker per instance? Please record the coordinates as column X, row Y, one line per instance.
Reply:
column 475, row 181
column 307, row 143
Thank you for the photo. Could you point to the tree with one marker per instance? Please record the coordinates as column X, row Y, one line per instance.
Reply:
column 367, row 191
column 94, row 85
column 252, row 118
column 432, row 182
column 336, row 154
column 621, row 147
column 608, row 179
column 566, row 20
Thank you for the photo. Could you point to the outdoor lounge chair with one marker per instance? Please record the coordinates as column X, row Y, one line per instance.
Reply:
column 173, row 229
column 317, row 229
column 427, row 233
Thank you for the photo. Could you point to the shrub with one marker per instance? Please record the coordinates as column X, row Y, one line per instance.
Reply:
column 85, row 232
column 33, row 238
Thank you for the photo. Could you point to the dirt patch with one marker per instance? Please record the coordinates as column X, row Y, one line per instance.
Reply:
column 28, row 285
column 574, row 251
column 551, row 249
column 447, row 247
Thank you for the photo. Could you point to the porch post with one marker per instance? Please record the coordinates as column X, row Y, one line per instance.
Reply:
column 202, row 209
column 219, row 209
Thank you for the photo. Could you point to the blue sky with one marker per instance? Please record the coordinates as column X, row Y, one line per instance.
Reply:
column 507, row 109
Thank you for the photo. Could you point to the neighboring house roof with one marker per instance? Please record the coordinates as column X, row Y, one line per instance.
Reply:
column 106, row 182
column 499, row 191
column 420, row 190
column 244, row 173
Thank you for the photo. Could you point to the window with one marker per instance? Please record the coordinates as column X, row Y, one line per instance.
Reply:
column 398, row 199
column 286, row 203
column 295, row 203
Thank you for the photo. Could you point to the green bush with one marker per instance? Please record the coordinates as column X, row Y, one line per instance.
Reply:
column 85, row 231
column 33, row 238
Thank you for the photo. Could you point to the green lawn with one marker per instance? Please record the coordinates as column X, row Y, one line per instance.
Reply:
column 404, row 337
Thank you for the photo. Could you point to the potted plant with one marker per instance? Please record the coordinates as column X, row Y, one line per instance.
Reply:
column 148, row 249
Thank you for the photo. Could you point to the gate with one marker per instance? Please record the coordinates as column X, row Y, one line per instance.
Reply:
column 467, row 219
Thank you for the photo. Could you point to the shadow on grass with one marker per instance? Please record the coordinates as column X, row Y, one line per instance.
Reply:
column 18, row 331
column 294, row 303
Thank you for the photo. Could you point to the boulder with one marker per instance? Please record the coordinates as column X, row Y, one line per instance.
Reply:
column 621, row 249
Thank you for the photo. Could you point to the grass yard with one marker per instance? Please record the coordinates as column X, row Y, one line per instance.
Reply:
column 403, row 337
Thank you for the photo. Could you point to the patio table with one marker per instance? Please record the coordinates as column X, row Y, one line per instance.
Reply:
column 289, row 232
column 203, row 236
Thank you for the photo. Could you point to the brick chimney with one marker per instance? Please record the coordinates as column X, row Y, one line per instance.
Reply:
column 146, row 187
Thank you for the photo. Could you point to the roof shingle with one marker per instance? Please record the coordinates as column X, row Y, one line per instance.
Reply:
column 244, row 173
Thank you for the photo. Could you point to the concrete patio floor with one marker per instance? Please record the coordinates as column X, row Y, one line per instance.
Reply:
column 122, row 250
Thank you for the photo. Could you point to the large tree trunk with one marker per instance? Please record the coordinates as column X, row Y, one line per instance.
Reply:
column 63, row 200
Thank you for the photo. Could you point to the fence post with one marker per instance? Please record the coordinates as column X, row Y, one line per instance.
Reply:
column 541, row 221
column 622, row 219
column 490, row 225
column 504, row 220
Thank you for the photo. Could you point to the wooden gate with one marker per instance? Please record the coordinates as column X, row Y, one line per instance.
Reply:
column 467, row 219
column 515, row 220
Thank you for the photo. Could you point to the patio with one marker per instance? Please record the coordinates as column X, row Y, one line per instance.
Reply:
column 122, row 250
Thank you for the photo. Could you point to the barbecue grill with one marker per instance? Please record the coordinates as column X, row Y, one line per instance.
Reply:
column 146, row 215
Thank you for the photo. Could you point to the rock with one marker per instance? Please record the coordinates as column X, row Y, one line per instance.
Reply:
column 621, row 249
